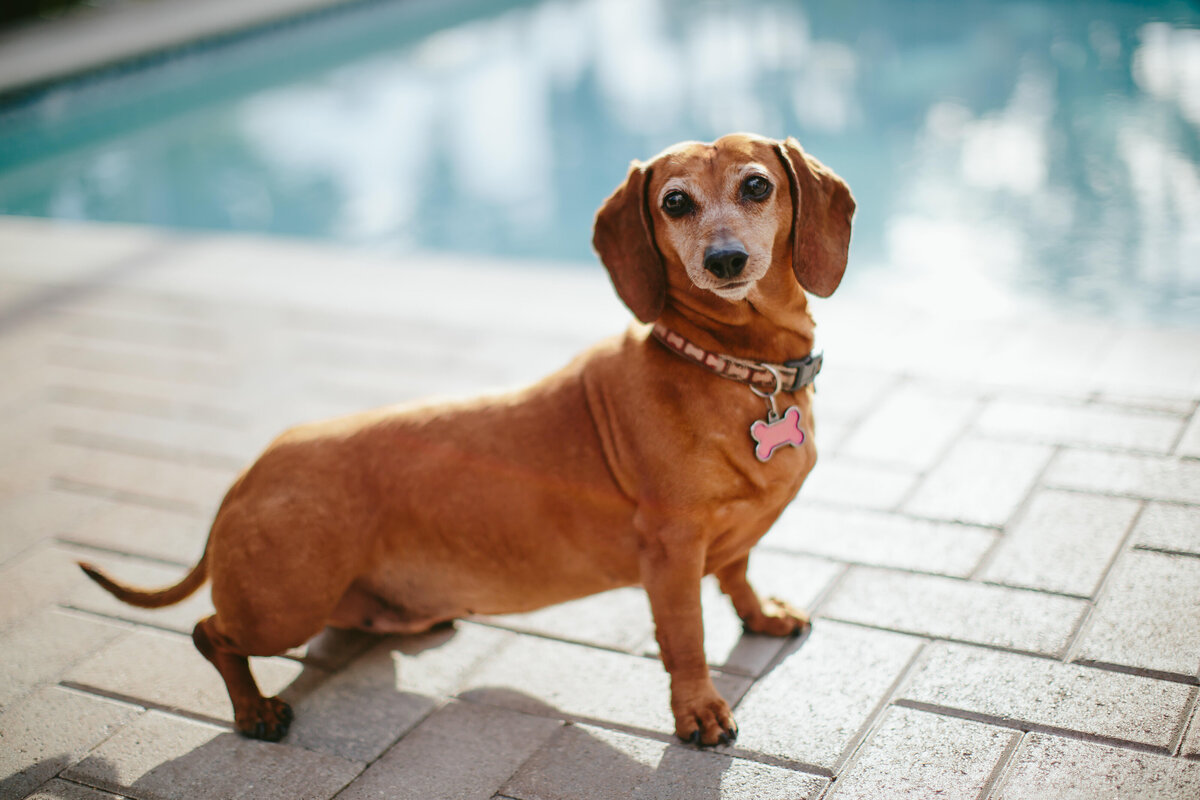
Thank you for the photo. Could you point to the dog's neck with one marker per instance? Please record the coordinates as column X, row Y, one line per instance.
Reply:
column 771, row 324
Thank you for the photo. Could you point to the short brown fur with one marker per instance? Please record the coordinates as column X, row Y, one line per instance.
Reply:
column 628, row 466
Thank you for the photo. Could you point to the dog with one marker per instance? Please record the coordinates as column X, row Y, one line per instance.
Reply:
column 634, row 464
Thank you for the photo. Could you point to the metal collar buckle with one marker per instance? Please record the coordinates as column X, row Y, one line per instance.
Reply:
column 806, row 370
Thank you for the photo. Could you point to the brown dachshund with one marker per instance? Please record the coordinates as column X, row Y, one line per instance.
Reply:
column 634, row 464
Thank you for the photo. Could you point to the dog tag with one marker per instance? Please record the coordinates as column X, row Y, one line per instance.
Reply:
column 775, row 432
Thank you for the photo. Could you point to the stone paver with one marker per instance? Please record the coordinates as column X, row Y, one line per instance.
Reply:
column 65, row 790
column 1169, row 527
column 191, row 485
column 619, row 619
column 586, row 763
column 1139, row 628
column 860, row 484
column 884, row 540
column 154, row 533
column 918, row 755
column 41, row 577
column 850, row 394
column 1069, row 769
column 538, row 676
column 912, row 426
column 1152, row 477
column 812, row 707
column 987, row 490
column 48, row 731
column 1063, row 543
column 1037, row 691
column 980, row 481
column 1062, row 422
column 166, row 670
column 365, row 707
column 87, row 596
column 1189, row 445
column 162, row 756
column 429, row 762
column 39, row 649
column 1191, row 742
column 948, row 608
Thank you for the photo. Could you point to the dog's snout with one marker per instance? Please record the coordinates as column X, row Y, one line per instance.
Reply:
column 726, row 260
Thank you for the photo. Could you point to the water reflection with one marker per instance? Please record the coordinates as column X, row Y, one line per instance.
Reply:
column 999, row 151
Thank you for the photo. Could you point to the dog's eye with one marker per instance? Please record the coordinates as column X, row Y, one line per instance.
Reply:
column 756, row 187
column 677, row 203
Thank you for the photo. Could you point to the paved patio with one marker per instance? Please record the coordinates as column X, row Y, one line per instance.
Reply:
column 1001, row 546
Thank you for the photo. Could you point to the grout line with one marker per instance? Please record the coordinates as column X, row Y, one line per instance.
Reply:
column 1030, row 727
column 1162, row 675
column 971, row 419
column 74, row 486
column 775, row 549
column 922, row 573
column 1190, row 719
column 221, row 377
column 148, row 705
column 1035, row 589
column 828, row 592
column 1174, row 501
column 732, row 751
column 123, row 554
column 1082, row 444
column 108, row 791
column 437, row 706
column 1165, row 551
column 134, row 625
column 950, row 639
column 1183, row 429
column 140, row 405
column 989, row 555
column 488, row 622
column 1019, row 513
column 834, row 505
column 54, row 295
column 89, row 326
column 1141, row 672
column 896, row 382
column 97, row 745
column 875, row 717
column 150, row 449
column 1001, row 770
column 1073, row 644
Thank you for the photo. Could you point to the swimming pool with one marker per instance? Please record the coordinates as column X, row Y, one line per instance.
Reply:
column 1000, row 151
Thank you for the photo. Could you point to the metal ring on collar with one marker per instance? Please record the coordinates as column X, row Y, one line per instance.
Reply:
column 778, row 382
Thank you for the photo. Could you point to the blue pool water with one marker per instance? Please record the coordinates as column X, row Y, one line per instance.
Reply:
column 1001, row 152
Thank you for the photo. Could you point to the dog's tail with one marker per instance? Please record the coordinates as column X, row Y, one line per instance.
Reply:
column 156, row 598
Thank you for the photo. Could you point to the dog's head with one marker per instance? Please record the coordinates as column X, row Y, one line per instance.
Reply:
column 724, row 214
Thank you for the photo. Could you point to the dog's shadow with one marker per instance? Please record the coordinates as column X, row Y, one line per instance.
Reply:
column 576, row 756
column 583, row 760
column 354, row 701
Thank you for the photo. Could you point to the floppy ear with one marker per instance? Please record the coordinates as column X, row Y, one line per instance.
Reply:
column 623, row 237
column 821, row 228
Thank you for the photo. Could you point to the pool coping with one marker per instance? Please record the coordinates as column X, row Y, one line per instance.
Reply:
column 36, row 55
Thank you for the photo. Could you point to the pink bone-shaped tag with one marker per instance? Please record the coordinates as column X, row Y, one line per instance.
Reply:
column 770, row 436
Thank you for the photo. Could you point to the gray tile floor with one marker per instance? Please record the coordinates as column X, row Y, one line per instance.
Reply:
column 1001, row 545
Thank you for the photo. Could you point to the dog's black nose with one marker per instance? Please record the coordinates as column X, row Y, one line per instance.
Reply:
column 726, row 260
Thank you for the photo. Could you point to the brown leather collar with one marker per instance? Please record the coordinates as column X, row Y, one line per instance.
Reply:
column 793, row 375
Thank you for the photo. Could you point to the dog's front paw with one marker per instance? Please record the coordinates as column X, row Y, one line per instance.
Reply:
column 267, row 720
column 702, row 717
column 777, row 618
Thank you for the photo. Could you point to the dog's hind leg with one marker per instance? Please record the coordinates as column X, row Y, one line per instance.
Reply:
column 254, row 715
